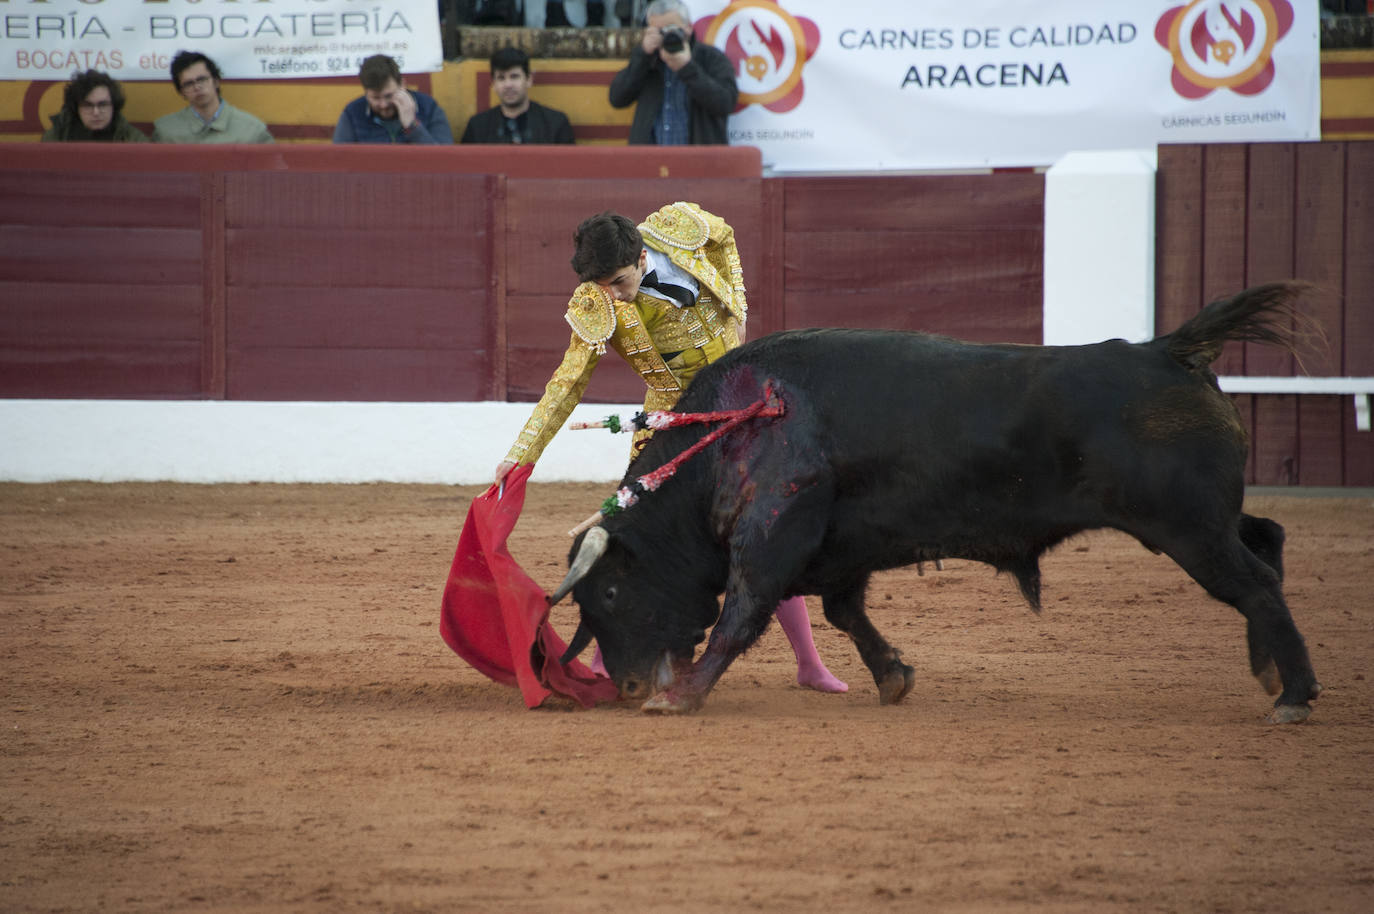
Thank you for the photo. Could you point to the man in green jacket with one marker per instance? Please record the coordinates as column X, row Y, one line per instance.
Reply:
column 208, row 118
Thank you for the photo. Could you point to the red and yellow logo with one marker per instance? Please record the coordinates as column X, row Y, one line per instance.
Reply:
column 768, row 46
column 1223, row 44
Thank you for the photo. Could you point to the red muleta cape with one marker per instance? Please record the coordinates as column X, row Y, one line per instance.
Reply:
column 496, row 617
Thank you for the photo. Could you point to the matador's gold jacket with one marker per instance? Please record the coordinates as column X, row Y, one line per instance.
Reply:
column 642, row 330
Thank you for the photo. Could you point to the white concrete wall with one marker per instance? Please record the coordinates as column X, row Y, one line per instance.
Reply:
column 214, row 441
column 1100, row 247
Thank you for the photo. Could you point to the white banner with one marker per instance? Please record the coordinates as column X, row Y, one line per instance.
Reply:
column 871, row 85
column 264, row 39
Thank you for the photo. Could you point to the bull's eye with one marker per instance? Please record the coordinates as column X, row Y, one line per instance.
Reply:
column 610, row 595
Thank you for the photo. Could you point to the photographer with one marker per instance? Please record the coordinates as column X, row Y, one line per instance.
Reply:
column 685, row 89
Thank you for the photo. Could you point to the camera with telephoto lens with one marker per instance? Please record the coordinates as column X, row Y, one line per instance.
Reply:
column 674, row 39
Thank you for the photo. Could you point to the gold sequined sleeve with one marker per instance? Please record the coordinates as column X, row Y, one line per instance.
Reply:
column 561, row 394
column 723, row 238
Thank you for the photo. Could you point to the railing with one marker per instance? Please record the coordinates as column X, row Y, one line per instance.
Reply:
column 1359, row 388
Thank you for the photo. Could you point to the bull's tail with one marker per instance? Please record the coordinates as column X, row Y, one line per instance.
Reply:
column 1263, row 314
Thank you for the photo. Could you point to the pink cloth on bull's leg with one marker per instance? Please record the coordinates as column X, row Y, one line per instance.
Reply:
column 495, row 616
column 811, row 670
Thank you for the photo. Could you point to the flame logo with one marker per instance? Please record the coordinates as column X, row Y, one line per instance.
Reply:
column 757, row 66
column 768, row 47
column 1223, row 44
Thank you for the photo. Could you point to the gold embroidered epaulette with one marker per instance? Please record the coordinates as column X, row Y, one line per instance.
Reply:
column 591, row 314
column 677, row 225
column 704, row 246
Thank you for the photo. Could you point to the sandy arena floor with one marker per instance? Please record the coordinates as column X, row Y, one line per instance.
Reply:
column 235, row 698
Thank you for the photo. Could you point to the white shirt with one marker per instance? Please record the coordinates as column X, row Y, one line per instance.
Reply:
column 671, row 273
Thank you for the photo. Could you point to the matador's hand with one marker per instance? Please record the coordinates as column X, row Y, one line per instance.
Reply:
column 502, row 469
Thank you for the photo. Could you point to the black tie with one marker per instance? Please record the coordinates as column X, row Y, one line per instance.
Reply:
column 683, row 297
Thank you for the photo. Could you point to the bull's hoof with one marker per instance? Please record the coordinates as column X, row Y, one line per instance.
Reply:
column 1269, row 678
column 668, row 703
column 895, row 684
column 1289, row 714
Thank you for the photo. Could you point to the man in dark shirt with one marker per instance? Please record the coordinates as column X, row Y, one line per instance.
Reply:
column 685, row 89
column 388, row 112
column 516, row 119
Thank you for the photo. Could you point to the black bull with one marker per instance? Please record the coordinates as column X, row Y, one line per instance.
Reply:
column 897, row 448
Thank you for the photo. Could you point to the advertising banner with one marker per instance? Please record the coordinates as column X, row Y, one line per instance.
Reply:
column 856, row 86
column 264, row 39
column 865, row 85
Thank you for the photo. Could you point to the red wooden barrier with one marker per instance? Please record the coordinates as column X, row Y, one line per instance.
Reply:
column 956, row 254
column 367, row 273
column 336, row 273
column 1231, row 216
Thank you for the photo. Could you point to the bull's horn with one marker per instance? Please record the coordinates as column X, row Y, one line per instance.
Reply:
column 593, row 547
column 581, row 638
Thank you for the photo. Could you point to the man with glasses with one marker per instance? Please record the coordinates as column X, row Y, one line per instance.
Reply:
column 208, row 118
column 92, row 111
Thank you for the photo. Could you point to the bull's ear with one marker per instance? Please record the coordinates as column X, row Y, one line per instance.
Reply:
column 594, row 543
column 581, row 638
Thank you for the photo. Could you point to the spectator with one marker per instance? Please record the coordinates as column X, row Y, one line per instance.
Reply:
column 92, row 111
column 685, row 89
column 516, row 119
column 388, row 112
column 208, row 117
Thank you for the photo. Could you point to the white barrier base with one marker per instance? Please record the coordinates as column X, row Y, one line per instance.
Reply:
column 232, row 441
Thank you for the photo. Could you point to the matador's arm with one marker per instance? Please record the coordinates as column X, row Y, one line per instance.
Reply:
column 561, row 394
